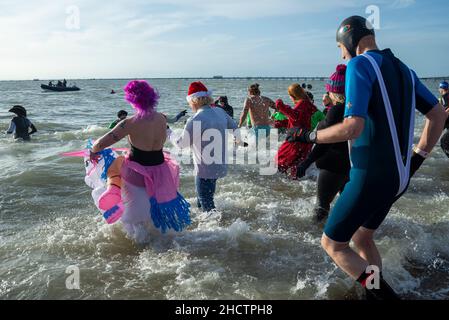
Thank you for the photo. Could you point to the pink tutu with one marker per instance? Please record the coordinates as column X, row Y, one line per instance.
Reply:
column 168, row 208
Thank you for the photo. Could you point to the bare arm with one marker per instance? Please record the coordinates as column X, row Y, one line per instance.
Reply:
column 435, row 120
column 120, row 131
column 244, row 113
column 350, row 129
column 12, row 127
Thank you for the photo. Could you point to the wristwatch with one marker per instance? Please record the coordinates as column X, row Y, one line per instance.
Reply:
column 312, row 137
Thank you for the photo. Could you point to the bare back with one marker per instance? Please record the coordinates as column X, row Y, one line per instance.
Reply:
column 147, row 134
column 259, row 110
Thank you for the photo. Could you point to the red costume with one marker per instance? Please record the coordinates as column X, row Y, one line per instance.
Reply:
column 290, row 154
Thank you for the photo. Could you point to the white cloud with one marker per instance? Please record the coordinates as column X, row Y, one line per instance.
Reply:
column 147, row 37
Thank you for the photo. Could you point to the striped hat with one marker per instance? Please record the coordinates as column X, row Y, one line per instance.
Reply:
column 336, row 82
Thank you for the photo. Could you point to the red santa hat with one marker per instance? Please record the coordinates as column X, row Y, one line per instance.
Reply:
column 197, row 90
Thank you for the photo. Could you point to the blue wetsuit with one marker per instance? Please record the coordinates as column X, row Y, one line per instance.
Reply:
column 374, row 177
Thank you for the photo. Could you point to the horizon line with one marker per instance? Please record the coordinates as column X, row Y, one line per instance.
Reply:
column 311, row 78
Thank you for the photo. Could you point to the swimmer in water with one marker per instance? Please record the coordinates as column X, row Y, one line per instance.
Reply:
column 121, row 115
column 258, row 108
column 20, row 125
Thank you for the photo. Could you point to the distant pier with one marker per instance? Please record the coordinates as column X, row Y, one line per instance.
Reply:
column 305, row 79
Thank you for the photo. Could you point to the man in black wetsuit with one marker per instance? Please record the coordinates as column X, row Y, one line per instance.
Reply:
column 20, row 124
column 379, row 122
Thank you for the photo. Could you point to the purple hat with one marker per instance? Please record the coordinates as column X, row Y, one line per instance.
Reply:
column 336, row 82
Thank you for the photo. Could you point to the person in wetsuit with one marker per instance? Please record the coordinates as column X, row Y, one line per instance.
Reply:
column 223, row 103
column 20, row 125
column 331, row 159
column 380, row 124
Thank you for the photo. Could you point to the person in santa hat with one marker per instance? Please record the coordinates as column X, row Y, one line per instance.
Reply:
column 205, row 133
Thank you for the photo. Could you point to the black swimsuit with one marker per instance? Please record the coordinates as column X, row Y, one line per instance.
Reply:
column 146, row 158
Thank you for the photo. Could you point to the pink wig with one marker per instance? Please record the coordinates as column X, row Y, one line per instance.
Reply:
column 142, row 96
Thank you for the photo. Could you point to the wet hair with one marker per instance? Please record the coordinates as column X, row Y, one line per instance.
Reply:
column 122, row 113
column 297, row 92
column 142, row 96
column 254, row 89
column 309, row 87
column 304, row 86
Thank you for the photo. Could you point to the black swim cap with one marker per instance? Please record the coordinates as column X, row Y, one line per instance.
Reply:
column 352, row 30
column 19, row 110
column 122, row 113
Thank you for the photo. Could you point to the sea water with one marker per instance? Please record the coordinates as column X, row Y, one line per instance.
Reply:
column 266, row 246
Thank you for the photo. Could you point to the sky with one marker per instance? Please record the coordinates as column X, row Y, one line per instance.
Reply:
column 76, row 39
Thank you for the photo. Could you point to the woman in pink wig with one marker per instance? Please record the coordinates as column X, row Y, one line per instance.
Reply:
column 150, row 177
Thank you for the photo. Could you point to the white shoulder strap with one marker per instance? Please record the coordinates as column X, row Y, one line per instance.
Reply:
column 404, row 171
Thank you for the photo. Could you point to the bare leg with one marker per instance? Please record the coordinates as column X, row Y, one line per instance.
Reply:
column 363, row 240
column 346, row 258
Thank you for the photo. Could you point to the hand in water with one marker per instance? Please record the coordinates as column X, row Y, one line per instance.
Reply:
column 302, row 168
column 300, row 172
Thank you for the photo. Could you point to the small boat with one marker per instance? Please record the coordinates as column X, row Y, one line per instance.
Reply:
column 59, row 88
